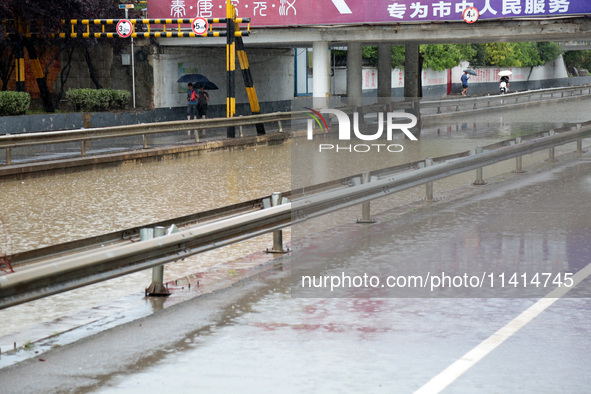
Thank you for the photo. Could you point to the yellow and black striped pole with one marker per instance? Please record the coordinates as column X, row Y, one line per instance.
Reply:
column 230, row 66
column 248, row 82
column 19, row 58
column 20, row 67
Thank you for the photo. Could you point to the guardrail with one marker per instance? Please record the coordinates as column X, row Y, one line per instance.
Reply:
column 81, row 268
column 144, row 129
column 8, row 142
column 486, row 101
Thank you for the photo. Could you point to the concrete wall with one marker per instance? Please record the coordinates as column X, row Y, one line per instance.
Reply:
column 110, row 72
column 435, row 83
column 272, row 72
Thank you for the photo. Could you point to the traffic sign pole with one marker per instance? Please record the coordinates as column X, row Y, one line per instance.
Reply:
column 132, row 66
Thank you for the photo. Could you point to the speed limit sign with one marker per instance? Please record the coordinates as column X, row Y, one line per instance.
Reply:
column 200, row 26
column 124, row 28
column 471, row 15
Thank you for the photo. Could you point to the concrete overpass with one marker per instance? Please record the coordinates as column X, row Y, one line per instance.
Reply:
column 322, row 37
column 278, row 80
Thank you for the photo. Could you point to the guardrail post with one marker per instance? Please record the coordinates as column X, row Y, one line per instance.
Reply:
column 429, row 186
column 365, row 206
column 551, row 150
column 278, row 234
column 280, row 125
column 83, row 148
column 479, row 179
column 157, row 287
column 145, row 138
column 8, row 156
column 518, row 159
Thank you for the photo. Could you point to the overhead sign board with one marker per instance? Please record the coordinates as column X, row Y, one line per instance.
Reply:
column 323, row 12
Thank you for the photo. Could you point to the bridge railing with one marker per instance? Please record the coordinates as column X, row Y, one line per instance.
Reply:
column 58, row 274
column 456, row 104
column 84, row 136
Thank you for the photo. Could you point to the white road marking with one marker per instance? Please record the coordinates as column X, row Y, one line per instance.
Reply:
column 468, row 360
column 342, row 7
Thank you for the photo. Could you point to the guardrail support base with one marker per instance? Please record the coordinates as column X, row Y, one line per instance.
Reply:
column 277, row 235
column 479, row 178
column 365, row 206
column 156, row 288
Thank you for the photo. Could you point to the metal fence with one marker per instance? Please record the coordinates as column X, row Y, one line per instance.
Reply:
column 50, row 274
column 85, row 136
column 451, row 105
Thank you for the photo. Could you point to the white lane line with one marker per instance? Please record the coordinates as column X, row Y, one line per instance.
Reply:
column 468, row 360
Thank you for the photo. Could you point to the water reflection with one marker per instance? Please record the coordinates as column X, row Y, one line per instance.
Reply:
column 45, row 211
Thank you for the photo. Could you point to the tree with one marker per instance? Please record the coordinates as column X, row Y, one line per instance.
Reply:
column 443, row 56
column 578, row 59
column 517, row 54
column 33, row 24
column 370, row 55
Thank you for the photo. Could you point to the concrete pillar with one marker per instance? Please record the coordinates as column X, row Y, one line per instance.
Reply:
column 354, row 73
column 321, row 65
column 412, row 72
column 412, row 82
column 384, row 70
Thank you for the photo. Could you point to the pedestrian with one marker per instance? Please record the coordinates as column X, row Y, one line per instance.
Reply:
column 192, row 100
column 465, row 79
column 505, row 78
column 202, row 100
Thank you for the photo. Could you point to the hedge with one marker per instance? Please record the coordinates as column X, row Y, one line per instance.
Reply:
column 98, row 99
column 14, row 103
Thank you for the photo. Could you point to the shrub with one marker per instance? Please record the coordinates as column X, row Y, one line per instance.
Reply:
column 98, row 99
column 14, row 103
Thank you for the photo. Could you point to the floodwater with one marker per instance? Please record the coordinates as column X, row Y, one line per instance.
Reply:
column 44, row 211
column 264, row 338
column 367, row 342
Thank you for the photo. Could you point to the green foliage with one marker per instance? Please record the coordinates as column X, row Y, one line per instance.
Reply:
column 98, row 99
column 443, row 56
column 14, row 103
column 578, row 59
column 549, row 51
column 519, row 54
column 370, row 54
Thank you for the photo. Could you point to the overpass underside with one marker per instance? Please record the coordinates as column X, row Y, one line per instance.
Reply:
column 514, row 30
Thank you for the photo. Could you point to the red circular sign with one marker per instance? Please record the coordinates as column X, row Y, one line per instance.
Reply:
column 124, row 28
column 471, row 15
column 200, row 26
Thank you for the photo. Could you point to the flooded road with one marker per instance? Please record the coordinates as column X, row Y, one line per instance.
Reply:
column 262, row 337
column 45, row 211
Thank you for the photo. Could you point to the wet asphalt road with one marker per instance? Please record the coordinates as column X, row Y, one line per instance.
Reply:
column 261, row 337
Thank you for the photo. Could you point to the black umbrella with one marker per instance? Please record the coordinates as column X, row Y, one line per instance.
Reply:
column 198, row 81
column 471, row 72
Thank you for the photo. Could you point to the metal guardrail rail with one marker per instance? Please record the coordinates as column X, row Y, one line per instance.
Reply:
column 11, row 141
column 486, row 101
column 84, row 267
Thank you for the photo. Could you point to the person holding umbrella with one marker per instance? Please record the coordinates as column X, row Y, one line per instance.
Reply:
column 465, row 79
column 192, row 101
column 505, row 78
column 202, row 99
